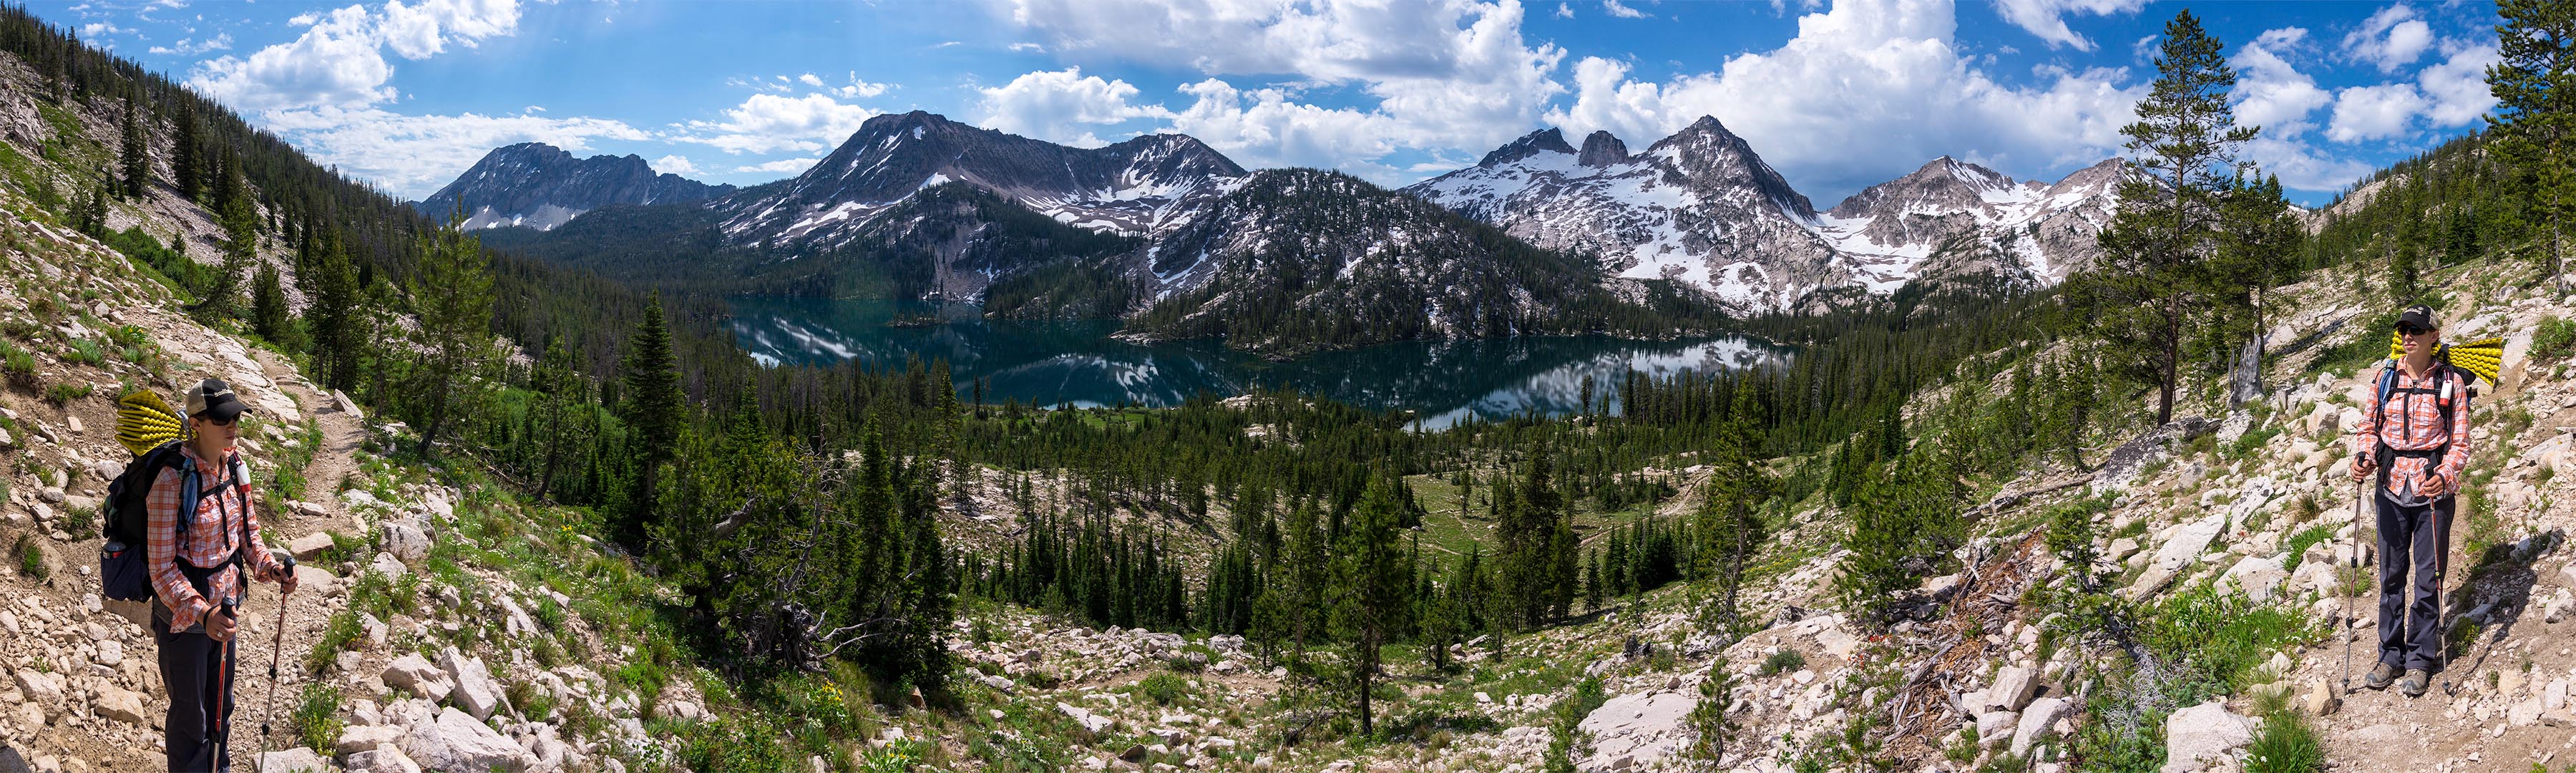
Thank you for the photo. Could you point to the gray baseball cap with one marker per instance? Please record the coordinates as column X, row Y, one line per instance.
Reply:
column 214, row 399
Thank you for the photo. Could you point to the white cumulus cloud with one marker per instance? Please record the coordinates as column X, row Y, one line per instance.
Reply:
column 2390, row 39
column 1063, row 106
column 675, row 164
column 2458, row 86
column 1613, row 8
column 1443, row 75
column 413, row 155
column 2374, row 112
column 1868, row 90
column 339, row 60
column 781, row 166
column 770, row 123
column 2047, row 18
column 2271, row 93
column 189, row 47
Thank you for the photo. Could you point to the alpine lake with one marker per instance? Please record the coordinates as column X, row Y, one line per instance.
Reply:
column 1055, row 363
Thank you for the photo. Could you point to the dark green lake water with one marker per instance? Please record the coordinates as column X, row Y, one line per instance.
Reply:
column 1050, row 363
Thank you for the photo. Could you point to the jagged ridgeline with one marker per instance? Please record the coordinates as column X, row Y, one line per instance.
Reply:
column 1947, row 521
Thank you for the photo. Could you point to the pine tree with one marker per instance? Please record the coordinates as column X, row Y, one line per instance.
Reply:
column 1710, row 717
column 2535, row 115
column 1536, row 558
column 651, row 403
column 135, row 151
column 1729, row 521
column 2154, row 273
column 187, row 158
column 452, row 293
column 1373, row 597
column 339, row 329
column 269, row 317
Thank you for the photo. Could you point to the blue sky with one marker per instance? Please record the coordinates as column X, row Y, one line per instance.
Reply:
column 1837, row 95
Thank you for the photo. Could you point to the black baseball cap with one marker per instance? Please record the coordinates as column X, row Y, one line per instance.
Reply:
column 2420, row 317
column 214, row 399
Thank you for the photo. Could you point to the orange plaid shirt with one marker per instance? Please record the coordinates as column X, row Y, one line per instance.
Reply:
column 222, row 519
column 2414, row 423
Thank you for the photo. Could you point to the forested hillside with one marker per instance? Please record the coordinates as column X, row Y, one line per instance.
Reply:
column 558, row 522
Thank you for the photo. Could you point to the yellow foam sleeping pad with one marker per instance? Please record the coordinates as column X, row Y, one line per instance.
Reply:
column 144, row 421
column 2483, row 357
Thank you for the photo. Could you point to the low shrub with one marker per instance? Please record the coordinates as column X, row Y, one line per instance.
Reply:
column 317, row 717
column 2553, row 339
column 1165, row 688
column 1782, row 662
column 65, row 393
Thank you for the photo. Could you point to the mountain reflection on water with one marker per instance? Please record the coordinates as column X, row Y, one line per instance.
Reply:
column 1052, row 363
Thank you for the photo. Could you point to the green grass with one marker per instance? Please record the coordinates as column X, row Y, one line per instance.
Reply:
column 31, row 558
column 2216, row 638
column 1782, row 662
column 17, row 363
column 86, row 352
column 337, row 635
column 64, row 394
column 2300, row 542
column 1163, row 688
column 2553, row 339
column 317, row 717
column 2285, row 744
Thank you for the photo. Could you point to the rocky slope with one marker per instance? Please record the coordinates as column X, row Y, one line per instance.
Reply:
column 1295, row 258
column 1703, row 207
column 535, row 185
column 1140, row 186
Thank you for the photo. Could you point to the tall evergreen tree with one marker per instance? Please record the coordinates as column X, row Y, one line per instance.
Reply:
column 187, row 156
column 268, row 315
column 2535, row 115
column 2148, row 288
column 135, row 151
column 1373, row 597
column 1536, row 558
column 652, row 403
column 339, row 329
column 452, row 294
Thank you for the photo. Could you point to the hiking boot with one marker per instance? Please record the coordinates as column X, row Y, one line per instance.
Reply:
column 2378, row 678
column 2414, row 683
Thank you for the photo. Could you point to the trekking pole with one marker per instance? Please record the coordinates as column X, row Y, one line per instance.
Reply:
column 222, row 729
column 2441, row 621
column 2352, row 557
column 276, row 646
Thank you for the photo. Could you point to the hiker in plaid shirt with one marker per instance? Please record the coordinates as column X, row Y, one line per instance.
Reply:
column 2416, row 439
column 197, row 580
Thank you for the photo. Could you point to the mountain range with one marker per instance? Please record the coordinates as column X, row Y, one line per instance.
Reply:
column 535, row 185
column 1171, row 234
column 1702, row 206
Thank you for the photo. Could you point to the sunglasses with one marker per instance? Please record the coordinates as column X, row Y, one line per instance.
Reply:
column 220, row 422
column 2412, row 330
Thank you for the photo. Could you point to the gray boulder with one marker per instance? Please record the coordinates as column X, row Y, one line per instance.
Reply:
column 2036, row 720
column 456, row 741
column 476, row 692
column 296, row 760
column 422, row 678
column 2203, row 735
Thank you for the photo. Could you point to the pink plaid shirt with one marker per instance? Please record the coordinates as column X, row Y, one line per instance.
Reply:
column 223, row 517
column 2414, row 423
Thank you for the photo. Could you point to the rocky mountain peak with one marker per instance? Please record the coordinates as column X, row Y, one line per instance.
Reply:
column 1542, row 141
column 1130, row 187
column 536, row 185
column 1601, row 148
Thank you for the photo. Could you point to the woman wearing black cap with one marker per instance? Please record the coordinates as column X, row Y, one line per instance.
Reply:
column 197, row 575
column 2414, row 434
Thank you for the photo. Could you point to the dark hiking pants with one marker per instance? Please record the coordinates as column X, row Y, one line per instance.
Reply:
column 2414, row 538
column 200, row 679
